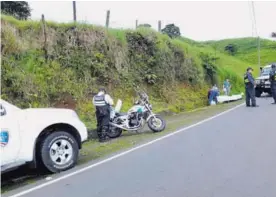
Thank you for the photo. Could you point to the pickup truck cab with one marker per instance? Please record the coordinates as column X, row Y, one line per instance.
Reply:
column 49, row 138
column 262, row 82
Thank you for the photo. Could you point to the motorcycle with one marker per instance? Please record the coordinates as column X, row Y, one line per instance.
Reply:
column 136, row 118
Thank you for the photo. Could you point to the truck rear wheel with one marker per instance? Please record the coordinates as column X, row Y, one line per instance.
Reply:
column 59, row 151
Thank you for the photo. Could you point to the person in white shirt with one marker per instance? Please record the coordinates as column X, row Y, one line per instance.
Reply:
column 102, row 101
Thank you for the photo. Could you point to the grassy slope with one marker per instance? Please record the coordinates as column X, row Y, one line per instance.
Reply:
column 225, row 61
column 24, row 39
column 247, row 49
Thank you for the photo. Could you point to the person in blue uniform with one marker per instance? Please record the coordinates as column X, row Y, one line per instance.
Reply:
column 213, row 95
column 272, row 79
column 249, row 82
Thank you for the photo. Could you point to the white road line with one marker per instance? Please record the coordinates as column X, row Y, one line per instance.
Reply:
column 121, row 154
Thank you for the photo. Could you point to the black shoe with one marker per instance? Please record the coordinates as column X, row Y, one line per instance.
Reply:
column 105, row 139
column 102, row 140
column 255, row 105
column 248, row 105
column 273, row 103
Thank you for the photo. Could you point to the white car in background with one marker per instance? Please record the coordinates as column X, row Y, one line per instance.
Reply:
column 50, row 138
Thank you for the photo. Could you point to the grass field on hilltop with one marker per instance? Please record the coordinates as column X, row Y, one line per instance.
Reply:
column 247, row 49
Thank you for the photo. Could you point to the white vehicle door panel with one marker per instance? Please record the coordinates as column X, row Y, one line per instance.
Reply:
column 9, row 138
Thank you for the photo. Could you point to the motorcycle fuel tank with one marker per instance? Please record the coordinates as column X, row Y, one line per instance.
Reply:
column 136, row 108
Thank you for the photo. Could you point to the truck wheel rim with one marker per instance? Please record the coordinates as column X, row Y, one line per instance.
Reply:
column 61, row 152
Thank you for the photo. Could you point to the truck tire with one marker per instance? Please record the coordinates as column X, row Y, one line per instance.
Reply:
column 258, row 93
column 59, row 151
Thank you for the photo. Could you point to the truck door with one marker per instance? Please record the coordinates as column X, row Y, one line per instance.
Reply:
column 9, row 136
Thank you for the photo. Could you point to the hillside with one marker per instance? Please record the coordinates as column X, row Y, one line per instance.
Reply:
column 247, row 49
column 64, row 65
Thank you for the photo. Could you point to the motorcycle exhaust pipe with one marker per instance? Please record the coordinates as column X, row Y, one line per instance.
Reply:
column 121, row 127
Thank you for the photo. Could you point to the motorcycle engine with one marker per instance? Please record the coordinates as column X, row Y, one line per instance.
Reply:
column 134, row 119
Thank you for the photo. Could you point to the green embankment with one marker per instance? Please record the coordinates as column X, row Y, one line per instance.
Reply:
column 67, row 66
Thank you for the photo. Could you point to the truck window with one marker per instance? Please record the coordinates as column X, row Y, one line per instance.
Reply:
column 265, row 71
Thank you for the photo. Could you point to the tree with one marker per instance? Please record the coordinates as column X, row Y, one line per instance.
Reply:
column 273, row 34
column 144, row 25
column 231, row 49
column 171, row 30
column 19, row 9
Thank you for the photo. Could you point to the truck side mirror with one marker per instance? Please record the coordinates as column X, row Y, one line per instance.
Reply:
column 2, row 110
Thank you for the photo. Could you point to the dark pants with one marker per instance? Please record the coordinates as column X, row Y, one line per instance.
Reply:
column 212, row 96
column 273, row 90
column 250, row 95
column 103, row 117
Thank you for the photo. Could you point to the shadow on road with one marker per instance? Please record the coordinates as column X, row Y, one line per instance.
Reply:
column 21, row 176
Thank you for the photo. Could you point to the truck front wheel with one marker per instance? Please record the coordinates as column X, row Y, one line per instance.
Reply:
column 59, row 151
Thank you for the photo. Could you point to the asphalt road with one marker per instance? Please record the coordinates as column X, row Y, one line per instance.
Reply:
column 233, row 155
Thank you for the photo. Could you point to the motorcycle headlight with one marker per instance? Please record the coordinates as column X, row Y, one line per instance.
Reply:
column 258, row 81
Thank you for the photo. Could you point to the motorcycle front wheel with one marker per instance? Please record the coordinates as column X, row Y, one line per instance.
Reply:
column 157, row 124
column 114, row 132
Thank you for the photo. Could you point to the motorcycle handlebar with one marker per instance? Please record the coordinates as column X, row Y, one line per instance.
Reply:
column 142, row 94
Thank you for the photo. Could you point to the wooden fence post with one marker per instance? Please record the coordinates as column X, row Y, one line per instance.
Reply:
column 136, row 24
column 74, row 11
column 107, row 19
column 159, row 26
column 45, row 36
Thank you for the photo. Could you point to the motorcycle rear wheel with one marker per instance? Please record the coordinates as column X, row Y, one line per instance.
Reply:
column 114, row 132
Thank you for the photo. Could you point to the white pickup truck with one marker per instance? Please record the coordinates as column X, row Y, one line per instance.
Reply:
column 49, row 138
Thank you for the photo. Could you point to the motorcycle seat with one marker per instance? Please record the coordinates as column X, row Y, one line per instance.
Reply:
column 121, row 114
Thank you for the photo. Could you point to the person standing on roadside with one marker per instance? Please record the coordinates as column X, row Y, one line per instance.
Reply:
column 272, row 79
column 227, row 87
column 249, row 82
column 102, row 101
